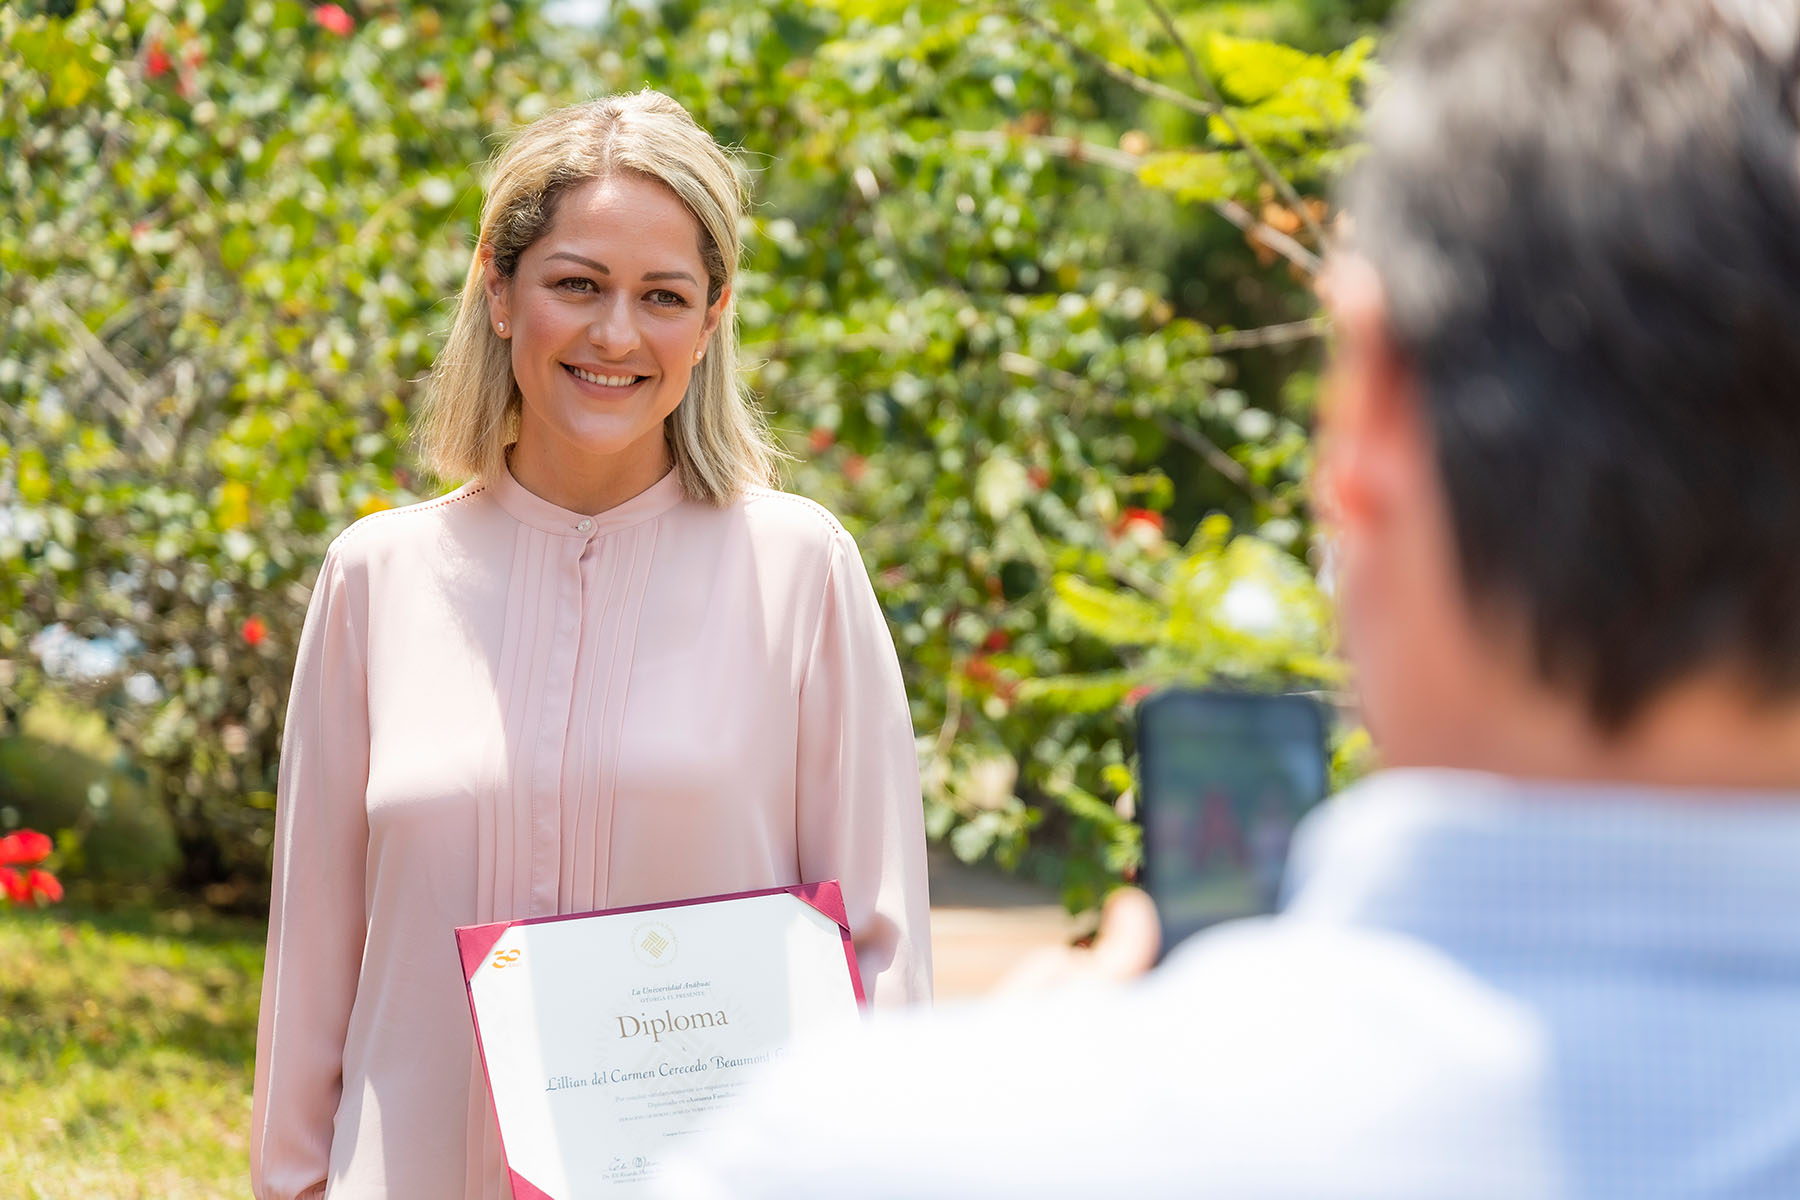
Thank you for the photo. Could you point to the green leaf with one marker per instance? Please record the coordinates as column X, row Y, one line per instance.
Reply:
column 1116, row 617
column 1084, row 804
column 34, row 476
column 1193, row 175
column 1250, row 71
column 1079, row 693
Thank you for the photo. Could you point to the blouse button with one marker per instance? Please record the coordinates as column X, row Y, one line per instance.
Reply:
column 586, row 526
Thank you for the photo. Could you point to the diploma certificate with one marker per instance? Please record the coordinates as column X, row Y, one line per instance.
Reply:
column 607, row 1037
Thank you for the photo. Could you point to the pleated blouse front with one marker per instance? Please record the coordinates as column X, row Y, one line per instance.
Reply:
column 504, row 709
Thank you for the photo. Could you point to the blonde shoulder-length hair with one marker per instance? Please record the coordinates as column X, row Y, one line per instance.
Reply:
column 717, row 437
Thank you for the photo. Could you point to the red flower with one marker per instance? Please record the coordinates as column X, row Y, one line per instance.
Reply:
column 26, row 887
column 855, row 467
column 44, row 884
column 821, row 440
column 1139, row 527
column 983, row 673
column 1137, row 693
column 156, row 60
column 25, row 846
column 334, row 19
column 996, row 641
column 1140, row 516
column 1039, row 476
column 255, row 630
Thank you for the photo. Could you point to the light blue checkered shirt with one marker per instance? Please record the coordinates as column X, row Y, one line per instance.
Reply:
column 1480, row 988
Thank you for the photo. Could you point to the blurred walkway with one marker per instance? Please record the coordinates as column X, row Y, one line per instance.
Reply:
column 984, row 922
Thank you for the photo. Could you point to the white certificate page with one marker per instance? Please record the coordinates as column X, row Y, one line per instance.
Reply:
column 608, row 1038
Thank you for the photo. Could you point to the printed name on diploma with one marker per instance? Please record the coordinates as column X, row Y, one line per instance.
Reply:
column 663, row 1070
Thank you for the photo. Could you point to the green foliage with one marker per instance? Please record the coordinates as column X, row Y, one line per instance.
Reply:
column 1001, row 357
column 1226, row 610
column 230, row 234
column 1237, row 610
column 125, row 1054
column 64, row 775
column 1190, row 174
column 1300, row 105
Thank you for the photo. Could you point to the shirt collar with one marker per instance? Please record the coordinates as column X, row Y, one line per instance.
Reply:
column 528, row 508
column 1479, row 862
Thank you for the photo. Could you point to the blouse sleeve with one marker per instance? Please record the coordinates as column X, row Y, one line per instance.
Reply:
column 861, row 820
column 316, row 907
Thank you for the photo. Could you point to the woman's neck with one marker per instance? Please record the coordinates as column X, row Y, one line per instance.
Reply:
column 584, row 483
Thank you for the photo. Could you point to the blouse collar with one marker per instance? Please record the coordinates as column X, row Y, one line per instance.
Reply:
column 528, row 508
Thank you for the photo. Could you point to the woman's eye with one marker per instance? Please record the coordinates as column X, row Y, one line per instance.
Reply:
column 667, row 298
column 576, row 283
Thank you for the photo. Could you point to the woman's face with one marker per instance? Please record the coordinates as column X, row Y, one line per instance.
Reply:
column 607, row 316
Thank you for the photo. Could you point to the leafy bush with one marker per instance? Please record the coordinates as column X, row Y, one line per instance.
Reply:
column 62, row 774
column 1026, row 290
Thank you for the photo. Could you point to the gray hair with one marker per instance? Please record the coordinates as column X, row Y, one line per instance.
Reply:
column 1586, row 218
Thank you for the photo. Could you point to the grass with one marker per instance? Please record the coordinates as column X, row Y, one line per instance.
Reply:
column 126, row 1043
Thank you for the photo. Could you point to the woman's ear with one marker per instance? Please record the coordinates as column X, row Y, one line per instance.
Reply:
column 715, row 312
column 499, row 293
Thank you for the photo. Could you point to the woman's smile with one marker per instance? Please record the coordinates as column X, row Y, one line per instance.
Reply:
column 610, row 384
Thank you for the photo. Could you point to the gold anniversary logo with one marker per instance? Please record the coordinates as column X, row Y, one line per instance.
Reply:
column 653, row 944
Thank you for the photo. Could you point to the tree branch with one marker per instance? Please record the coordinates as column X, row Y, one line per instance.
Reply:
column 1124, row 75
column 1269, row 335
column 1220, row 461
column 130, row 389
column 1204, row 82
column 1073, row 149
column 1076, row 150
column 1269, row 236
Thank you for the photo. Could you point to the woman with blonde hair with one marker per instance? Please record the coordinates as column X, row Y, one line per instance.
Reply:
column 614, row 668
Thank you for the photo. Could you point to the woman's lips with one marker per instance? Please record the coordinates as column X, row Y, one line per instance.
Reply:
column 606, row 381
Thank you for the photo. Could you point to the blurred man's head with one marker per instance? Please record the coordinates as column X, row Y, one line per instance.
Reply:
column 1562, row 439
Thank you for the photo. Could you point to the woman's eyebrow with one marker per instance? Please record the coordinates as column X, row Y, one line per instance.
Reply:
column 586, row 262
column 649, row 276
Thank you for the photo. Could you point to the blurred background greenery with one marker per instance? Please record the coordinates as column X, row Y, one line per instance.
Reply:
column 1027, row 295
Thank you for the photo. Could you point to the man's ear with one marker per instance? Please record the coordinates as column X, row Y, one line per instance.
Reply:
column 499, row 293
column 715, row 312
column 1373, row 441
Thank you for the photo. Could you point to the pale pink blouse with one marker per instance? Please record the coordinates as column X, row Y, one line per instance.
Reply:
column 504, row 709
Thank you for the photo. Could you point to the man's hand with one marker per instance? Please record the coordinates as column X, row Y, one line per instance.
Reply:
column 1123, row 949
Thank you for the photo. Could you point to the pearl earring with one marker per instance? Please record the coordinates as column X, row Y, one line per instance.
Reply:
column 500, row 327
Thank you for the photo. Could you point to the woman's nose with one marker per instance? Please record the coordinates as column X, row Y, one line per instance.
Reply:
column 613, row 331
